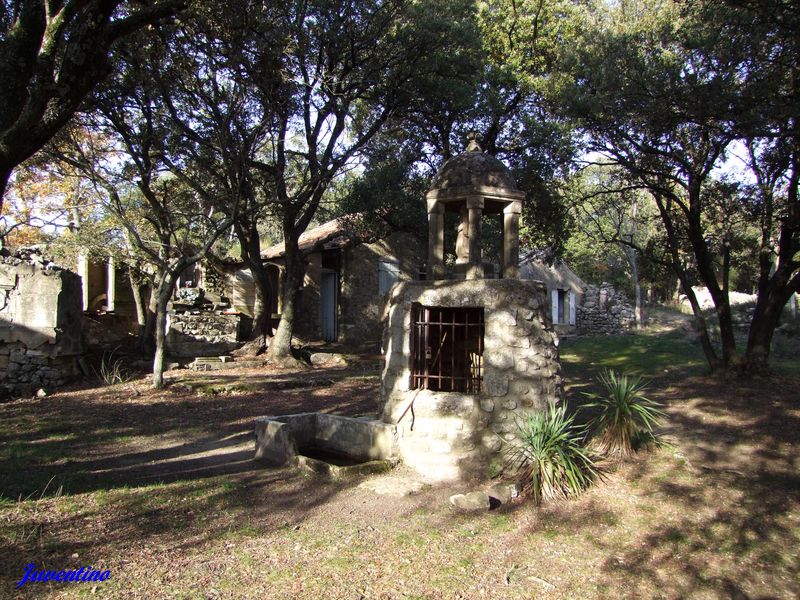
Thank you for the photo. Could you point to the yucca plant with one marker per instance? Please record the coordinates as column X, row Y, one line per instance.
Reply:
column 626, row 416
column 550, row 455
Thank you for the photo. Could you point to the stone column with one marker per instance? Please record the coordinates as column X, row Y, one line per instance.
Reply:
column 462, row 239
column 83, row 271
column 436, row 241
column 111, row 284
column 475, row 270
column 511, row 240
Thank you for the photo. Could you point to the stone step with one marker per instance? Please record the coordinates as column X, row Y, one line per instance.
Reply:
column 211, row 363
column 439, row 445
column 437, row 467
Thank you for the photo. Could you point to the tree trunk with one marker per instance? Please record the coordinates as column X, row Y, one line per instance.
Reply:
column 281, row 346
column 673, row 245
column 637, row 287
column 767, row 314
column 141, row 307
column 759, row 340
column 701, row 326
column 262, row 311
column 708, row 276
column 148, row 335
column 776, row 288
column 162, row 293
column 633, row 260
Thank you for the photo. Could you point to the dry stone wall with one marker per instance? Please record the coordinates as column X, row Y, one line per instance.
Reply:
column 604, row 310
column 452, row 435
column 204, row 334
column 40, row 324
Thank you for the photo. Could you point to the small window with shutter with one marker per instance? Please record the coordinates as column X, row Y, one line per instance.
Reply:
column 388, row 275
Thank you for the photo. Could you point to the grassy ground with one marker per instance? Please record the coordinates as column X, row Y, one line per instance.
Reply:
column 159, row 489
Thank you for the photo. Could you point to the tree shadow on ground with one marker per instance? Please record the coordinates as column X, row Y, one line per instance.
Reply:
column 172, row 469
column 118, row 435
column 733, row 482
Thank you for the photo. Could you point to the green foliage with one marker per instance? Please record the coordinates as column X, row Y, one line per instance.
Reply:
column 667, row 92
column 550, row 455
column 51, row 56
column 626, row 416
column 389, row 196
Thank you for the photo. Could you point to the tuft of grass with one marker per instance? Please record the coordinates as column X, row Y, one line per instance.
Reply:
column 626, row 416
column 112, row 371
column 550, row 455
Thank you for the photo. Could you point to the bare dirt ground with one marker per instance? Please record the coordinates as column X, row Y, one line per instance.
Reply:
column 160, row 489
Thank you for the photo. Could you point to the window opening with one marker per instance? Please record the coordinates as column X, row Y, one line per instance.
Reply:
column 562, row 306
column 447, row 348
column 388, row 275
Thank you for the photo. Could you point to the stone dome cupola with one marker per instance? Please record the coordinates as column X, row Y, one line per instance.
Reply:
column 473, row 168
column 473, row 184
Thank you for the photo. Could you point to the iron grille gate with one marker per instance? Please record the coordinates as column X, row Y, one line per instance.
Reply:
column 447, row 348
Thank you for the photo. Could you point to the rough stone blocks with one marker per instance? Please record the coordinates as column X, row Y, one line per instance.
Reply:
column 453, row 434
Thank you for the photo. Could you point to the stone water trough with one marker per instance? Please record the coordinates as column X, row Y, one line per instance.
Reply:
column 325, row 444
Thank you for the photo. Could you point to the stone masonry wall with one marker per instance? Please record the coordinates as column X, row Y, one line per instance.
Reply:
column 361, row 306
column 205, row 334
column 40, row 324
column 604, row 310
column 456, row 435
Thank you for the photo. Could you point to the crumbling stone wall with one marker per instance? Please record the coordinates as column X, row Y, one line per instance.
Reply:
column 456, row 435
column 40, row 324
column 204, row 334
column 605, row 310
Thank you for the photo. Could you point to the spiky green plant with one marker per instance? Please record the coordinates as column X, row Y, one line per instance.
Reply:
column 626, row 416
column 550, row 455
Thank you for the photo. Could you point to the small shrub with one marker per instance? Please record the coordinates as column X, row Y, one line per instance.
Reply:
column 550, row 455
column 626, row 416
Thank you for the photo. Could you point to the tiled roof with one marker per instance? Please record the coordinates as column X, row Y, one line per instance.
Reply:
column 328, row 236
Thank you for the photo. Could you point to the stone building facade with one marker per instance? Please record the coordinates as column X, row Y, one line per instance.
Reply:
column 346, row 282
column 564, row 290
column 40, row 325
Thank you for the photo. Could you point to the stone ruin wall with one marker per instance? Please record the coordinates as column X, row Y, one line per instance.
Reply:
column 205, row 334
column 41, row 306
column 457, row 435
column 604, row 310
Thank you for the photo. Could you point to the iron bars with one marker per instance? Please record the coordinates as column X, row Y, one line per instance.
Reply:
column 447, row 348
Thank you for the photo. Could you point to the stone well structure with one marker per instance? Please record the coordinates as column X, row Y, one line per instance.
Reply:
column 466, row 357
